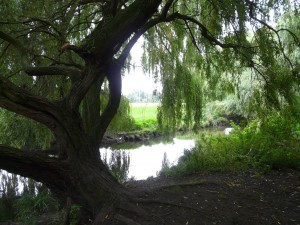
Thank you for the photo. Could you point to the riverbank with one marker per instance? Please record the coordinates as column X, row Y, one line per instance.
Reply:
column 112, row 139
column 218, row 198
column 249, row 197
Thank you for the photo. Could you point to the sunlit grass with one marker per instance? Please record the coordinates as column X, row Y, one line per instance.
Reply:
column 143, row 111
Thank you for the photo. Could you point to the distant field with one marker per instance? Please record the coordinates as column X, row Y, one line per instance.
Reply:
column 143, row 111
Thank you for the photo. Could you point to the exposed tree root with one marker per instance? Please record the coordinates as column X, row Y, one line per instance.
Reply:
column 114, row 212
column 190, row 183
column 125, row 220
column 130, row 207
column 67, row 212
column 185, row 184
column 105, row 214
column 156, row 201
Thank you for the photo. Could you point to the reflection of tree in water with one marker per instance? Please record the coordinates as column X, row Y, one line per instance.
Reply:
column 12, row 185
column 23, row 198
column 8, row 192
column 8, row 185
column 165, row 165
column 165, row 162
column 118, row 164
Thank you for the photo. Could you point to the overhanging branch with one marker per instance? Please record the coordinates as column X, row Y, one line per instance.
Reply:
column 252, row 7
column 204, row 31
column 84, row 2
column 278, row 38
column 19, row 100
column 29, row 164
column 53, row 70
column 17, row 44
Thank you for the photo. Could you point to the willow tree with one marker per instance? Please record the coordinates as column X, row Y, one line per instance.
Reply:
column 56, row 56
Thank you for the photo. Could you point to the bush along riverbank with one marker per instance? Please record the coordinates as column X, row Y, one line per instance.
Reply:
column 270, row 144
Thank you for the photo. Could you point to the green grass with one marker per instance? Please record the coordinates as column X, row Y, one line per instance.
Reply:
column 144, row 115
column 143, row 111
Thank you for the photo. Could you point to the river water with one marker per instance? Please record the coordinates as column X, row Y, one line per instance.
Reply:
column 141, row 162
column 146, row 161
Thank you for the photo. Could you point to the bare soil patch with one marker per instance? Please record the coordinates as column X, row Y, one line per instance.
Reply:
column 247, row 198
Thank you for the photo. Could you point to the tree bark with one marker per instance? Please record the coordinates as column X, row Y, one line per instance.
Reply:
column 87, row 182
column 77, row 171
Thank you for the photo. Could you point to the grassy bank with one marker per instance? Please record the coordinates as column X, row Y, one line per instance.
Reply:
column 144, row 115
column 272, row 144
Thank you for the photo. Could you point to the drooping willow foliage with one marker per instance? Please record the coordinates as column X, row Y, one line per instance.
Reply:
column 23, row 133
column 198, row 62
column 56, row 55
column 49, row 25
column 199, row 56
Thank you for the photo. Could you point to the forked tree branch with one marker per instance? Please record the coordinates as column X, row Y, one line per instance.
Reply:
column 115, row 87
column 46, row 23
column 79, row 89
column 118, row 29
column 151, row 23
column 166, row 8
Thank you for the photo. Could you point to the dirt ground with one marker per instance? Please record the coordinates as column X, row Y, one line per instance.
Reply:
column 248, row 198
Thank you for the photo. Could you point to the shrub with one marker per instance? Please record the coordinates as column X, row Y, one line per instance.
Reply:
column 145, row 124
column 29, row 206
column 269, row 144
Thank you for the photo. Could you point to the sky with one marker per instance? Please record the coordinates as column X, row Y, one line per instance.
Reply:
column 136, row 79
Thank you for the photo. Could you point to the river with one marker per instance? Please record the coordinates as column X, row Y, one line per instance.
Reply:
column 146, row 160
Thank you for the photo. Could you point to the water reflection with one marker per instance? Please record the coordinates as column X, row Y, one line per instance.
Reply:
column 12, row 185
column 140, row 162
column 118, row 162
column 146, row 161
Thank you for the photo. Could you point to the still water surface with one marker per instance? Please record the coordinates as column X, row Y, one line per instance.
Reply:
column 146, row 161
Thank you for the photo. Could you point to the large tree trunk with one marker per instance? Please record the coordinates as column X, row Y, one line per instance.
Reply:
column 77, row 171
column 91, row 186
column 83, row 178
column 87, row 180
